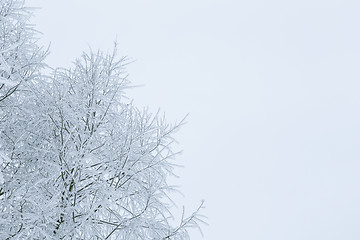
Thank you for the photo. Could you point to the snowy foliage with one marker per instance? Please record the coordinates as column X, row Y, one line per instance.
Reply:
column 20, row 56
column 79, row 161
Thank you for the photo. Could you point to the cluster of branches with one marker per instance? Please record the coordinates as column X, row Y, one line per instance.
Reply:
column 78, row 160
column 20, row 56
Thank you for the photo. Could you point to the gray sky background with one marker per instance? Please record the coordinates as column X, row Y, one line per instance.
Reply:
column 272, row 88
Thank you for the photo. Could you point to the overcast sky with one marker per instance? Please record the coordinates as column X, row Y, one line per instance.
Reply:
column 272, row 88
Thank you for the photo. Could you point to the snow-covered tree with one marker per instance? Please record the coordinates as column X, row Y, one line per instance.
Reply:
column 79, row 161
column 85, row 163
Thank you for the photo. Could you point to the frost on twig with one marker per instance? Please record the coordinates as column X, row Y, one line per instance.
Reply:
column 20, row 56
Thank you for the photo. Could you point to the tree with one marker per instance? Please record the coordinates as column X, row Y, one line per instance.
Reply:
column 82, row 162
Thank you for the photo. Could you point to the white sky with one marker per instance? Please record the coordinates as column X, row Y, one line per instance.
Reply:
column 272, row 88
